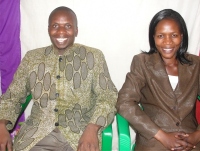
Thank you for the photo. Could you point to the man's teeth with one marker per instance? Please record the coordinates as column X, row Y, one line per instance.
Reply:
column 61, row 39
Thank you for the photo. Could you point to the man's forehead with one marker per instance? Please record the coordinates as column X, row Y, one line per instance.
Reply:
column 60, row 14
column 63, row 12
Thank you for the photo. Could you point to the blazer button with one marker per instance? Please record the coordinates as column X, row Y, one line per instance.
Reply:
column 174, row 108
column 177, row 124
column 56, row 124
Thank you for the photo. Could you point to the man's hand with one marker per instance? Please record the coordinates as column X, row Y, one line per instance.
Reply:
column 89, row 139
column 5, row 139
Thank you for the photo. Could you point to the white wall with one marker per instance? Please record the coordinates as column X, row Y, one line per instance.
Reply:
column 118, row 27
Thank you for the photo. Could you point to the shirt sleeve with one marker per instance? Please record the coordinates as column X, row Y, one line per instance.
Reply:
column 11, row 100
column 105, row 93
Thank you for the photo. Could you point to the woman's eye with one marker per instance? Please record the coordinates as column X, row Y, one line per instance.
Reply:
column 160, row 36
column 174, row 35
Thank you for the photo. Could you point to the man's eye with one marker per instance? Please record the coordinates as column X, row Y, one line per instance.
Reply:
column 68, row 26
column 55, row 26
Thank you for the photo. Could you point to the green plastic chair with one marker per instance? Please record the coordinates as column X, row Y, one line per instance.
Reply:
column 28, row 99
column 106, row 134
column 124, row 142
column 124, row 139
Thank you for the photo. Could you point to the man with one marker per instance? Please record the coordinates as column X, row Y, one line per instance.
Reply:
column 73, row 95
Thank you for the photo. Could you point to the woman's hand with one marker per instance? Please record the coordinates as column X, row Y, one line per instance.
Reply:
column 175, row 141
column 193, row 138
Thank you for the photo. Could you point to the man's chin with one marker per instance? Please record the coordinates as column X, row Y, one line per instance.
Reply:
column 62, row 47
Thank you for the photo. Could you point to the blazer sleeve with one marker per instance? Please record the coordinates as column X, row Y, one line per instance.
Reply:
column 129, row 97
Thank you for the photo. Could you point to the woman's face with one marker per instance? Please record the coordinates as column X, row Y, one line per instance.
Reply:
column 168, row 38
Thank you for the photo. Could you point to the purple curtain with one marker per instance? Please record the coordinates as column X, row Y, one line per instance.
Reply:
column 10, row 48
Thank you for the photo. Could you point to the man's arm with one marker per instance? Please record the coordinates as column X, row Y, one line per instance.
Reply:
column 5, row 139
column 89, row 139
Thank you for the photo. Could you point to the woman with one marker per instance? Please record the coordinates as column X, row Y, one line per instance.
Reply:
column 166, row 82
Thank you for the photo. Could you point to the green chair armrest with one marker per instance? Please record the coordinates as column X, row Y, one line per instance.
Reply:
column 124, row 140
column 124, row 133
column 107, row 139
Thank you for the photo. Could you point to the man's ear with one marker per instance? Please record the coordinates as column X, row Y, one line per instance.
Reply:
column 76, row 31
column 48, row 29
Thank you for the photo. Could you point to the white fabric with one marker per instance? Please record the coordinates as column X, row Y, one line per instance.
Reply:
column 118, row 27
column 173, row 81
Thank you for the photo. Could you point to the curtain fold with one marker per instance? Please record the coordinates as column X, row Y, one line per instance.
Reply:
column 10, row 48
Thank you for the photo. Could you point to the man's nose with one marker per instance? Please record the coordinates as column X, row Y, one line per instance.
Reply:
column 61, row 30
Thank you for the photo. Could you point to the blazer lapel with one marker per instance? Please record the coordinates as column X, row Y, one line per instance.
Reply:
column 158, row 72
column 185, row 73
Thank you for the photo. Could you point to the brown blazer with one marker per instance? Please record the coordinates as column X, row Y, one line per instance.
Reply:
column 148, row 83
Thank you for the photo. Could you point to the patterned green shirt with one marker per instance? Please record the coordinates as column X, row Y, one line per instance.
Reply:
column 68, row 92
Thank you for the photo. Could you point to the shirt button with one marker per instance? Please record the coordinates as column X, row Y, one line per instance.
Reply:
column 58, row 76
column 56, row 124
column 57, row 95
column 60, row 59
column 56, row 110
column 177, row 124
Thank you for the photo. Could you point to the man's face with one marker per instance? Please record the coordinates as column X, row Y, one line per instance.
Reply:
column 62, row 29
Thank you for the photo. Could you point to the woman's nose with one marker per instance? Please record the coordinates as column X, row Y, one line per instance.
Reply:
column 168, row 40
